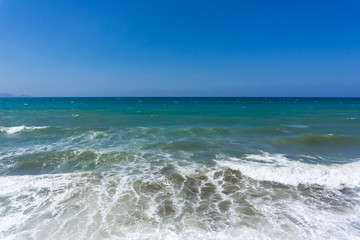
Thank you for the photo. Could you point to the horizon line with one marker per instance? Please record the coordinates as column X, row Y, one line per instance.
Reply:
column 183, row 97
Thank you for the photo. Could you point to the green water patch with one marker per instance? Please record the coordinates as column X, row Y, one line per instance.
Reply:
column 316, row 140
column 325, row 149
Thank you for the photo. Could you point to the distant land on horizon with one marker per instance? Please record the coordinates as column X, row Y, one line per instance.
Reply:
column 8, row 95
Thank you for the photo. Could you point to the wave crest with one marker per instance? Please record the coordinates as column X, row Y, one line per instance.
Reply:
column 17, row 129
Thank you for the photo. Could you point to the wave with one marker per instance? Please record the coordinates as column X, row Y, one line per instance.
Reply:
column 297, row 126
column 17, row 129
column 278, row 168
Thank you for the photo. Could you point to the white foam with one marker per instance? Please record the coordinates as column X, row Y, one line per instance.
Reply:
column 297, row 126
column 16, row 129
column 279, row 168
column 309, row 157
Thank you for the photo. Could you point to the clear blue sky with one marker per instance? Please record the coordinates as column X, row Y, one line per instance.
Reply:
column 180, row 48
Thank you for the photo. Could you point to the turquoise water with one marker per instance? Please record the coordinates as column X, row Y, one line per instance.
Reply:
column 177, row 168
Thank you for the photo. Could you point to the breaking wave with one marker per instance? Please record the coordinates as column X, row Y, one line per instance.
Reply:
column 279, row 168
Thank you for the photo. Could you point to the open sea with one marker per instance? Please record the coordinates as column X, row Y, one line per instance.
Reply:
column 179, row 168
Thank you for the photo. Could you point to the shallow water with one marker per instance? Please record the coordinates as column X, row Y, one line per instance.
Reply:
column 179, row 168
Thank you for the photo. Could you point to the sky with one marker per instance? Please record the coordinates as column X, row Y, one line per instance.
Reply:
column 180, row 48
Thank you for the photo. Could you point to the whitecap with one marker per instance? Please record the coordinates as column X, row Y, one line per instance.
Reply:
column 16, row 129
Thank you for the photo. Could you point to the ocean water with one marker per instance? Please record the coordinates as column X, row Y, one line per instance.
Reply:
column 179, row 168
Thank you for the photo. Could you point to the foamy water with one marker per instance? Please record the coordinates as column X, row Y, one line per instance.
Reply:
column 144, row 201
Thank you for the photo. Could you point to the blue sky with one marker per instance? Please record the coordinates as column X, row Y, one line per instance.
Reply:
column 180, row 48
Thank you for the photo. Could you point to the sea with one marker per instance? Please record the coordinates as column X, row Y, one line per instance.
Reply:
column 179, row 168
